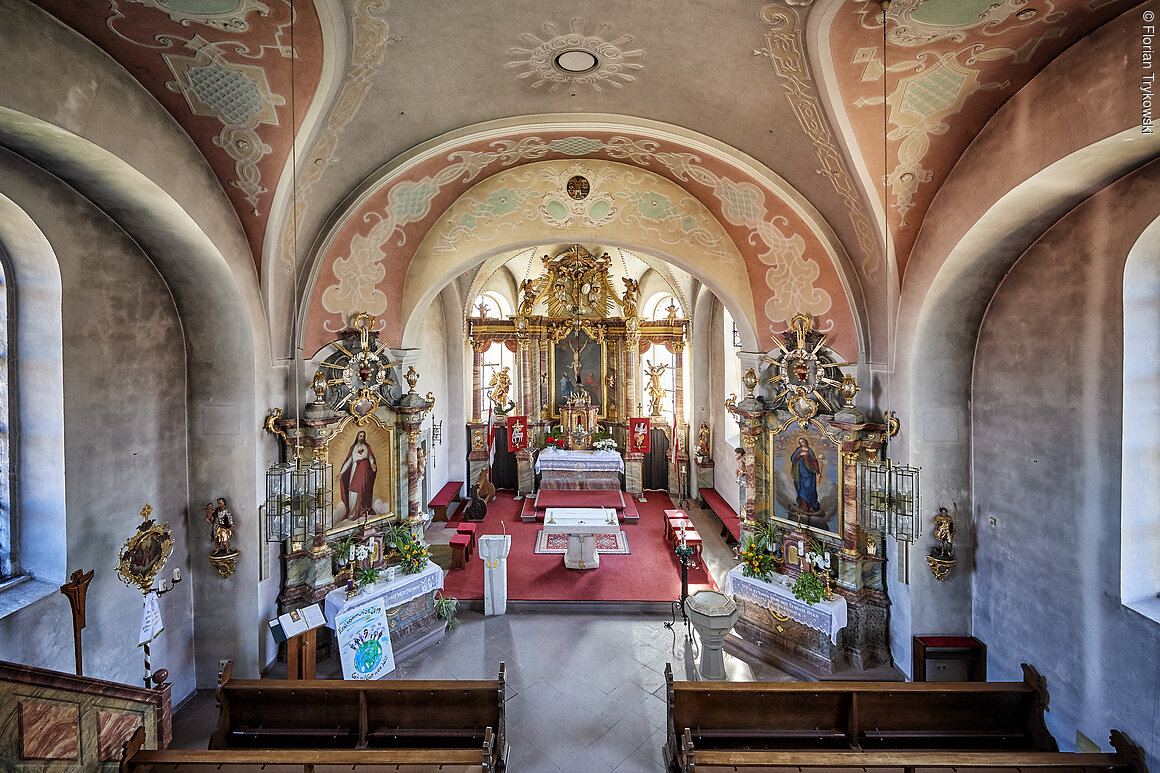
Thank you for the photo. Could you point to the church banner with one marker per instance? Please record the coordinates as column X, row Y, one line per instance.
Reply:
column 517, row 427
column 638, row 436
column 364, row 641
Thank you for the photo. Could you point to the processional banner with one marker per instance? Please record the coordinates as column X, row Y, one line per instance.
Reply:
column 517, row 427
column 638, row 436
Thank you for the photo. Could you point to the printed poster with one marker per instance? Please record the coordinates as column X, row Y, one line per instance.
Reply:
column 364, row 641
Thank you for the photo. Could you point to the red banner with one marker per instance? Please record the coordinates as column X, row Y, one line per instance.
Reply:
column 517, row 427
column 638, row 436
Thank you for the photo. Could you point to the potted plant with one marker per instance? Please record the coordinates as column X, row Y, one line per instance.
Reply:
column 602, row 441
column 809, row 587
column 445, row 608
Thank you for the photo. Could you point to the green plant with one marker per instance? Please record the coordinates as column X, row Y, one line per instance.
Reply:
column 809, row 587
column 445, row 608
column 367, row 575
column 768, row 536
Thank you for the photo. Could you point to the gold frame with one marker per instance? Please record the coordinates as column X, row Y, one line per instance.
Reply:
column 602, row 411
column 391, row 466
column 147, row 530
column 841, row 479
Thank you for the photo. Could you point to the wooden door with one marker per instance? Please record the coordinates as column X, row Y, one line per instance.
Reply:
column 656, row 461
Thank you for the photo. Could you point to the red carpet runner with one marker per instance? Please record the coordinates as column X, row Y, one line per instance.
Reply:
column 650, row 573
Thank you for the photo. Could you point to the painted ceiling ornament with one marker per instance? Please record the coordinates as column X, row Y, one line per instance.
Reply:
column 919, row 22
column 575, row 58
column 239, row 96
column 229, row 15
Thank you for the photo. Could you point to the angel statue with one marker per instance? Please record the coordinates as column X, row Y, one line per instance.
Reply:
column 527, row 297
column 656, row 392
column 631, row 297
column 499, row 385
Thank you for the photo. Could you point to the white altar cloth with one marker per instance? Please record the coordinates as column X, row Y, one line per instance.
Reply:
column 394, row 592
column 579, row 461
column 829, row 617
column 581, row 524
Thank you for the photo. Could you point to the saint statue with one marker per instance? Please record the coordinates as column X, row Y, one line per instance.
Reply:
column 357, row 478
column 703, row 440
column 222, row 519
column 500, row 383
column 656, row 392
column 944, row 532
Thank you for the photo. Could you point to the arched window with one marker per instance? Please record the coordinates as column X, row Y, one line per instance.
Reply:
column 659, row 305
column 495, row 359
column 656, row 356
column 1140, row 446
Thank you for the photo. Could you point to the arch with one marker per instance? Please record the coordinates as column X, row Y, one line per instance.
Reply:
column 1140, row 449
column 38, row 447
column 790, row 254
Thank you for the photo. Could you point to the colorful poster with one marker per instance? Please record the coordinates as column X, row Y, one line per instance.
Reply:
column 517, row 427
column 364, row 641
column 638, row 436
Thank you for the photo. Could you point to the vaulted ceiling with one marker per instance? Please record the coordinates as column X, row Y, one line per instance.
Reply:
column 797, row 87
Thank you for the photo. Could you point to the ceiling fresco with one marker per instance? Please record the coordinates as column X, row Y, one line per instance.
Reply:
column 224, row 70
column 951, row 64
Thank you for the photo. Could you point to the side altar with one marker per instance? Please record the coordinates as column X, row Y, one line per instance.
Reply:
column 803, row 440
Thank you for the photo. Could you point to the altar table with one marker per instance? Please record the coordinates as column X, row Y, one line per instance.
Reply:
column 395, row 593
column 829, row 617
column 581, row 524
column 579, row 461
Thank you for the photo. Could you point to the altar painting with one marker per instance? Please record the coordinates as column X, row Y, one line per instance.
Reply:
column 578, row 368
column 806, row 478
column 362, row 456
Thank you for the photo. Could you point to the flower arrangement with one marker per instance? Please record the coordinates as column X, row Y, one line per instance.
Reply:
column 554, row 437
column 755, row 561
column 604, row 444
column 413, row 555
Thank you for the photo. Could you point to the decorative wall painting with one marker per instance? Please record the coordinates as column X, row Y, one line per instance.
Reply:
column 806, row 479
column 577, row 370
column 362, row 455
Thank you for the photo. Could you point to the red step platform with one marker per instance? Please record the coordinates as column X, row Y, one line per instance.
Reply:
column 534, row 507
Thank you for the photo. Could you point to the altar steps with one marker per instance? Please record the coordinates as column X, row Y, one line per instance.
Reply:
column 534, row 507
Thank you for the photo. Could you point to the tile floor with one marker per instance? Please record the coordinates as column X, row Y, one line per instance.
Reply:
column 585, row 690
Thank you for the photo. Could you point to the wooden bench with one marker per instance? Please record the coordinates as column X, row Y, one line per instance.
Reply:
column 138, row 760
column 438, row 716
column 865, row 716
column 1127, row 758
column 448, row 494
column 730, row 522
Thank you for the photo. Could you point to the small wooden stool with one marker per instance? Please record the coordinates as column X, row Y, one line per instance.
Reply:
column 469, row 530
column 673, row 525
column 460, row 550
column 693, row 540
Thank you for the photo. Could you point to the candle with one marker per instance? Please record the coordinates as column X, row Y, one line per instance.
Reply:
column 162, row 588
column 176, row 575
column 801, row 548
column 827, row 560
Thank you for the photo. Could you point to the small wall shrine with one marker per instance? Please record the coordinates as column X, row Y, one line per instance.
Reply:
column 347, row 505
column 811, row 579
column 577, row 339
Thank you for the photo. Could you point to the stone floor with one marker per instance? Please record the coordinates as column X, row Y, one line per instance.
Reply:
column 585, row 689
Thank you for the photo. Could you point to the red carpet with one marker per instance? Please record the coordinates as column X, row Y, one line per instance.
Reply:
column 650, row 573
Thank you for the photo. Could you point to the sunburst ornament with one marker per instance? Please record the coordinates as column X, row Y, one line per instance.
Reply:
column 573, row 57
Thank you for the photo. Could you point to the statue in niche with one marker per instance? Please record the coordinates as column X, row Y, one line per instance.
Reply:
column 656, row 392
column 222, row 520
column 944, row 532
column 499, row 385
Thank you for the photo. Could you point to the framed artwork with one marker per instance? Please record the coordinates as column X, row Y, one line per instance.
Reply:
column 639, row 436
column 362, row 455
column 145, row 553
column 805, row 468
column 578, row 367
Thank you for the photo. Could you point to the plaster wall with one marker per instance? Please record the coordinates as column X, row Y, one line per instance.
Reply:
column 1046, row 435
column 125, row 419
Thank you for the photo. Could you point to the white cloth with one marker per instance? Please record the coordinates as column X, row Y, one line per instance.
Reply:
column 151, row 625
column 829, row 617
column 579, row 461
column 494, row 549
column 393, row 592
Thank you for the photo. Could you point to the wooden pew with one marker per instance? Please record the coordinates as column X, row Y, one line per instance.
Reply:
column 860, row 716
column 428, row 716
column 1127, row 758
column 138, row 760
column 730, row 522
column 446, row 496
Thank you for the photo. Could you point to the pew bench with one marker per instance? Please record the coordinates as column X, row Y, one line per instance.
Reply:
column 441, row 501
column 398, row 715
column 138, row 760
column 730, row 522
column 1126, row 759
column 860, row 716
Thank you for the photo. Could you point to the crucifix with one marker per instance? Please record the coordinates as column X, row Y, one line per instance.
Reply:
column 75, row 590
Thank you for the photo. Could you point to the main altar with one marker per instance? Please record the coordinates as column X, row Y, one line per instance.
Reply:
column 577, row 336
column 579, row 470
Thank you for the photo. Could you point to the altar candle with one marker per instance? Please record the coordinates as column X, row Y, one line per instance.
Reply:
column 801, row 548
column 827, row 560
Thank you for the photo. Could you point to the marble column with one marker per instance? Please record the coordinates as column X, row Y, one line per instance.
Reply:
column 524, row 361
column 678, row 348
column 631, row 360
column 543, row 381
column 478, row 347
column 414, row 504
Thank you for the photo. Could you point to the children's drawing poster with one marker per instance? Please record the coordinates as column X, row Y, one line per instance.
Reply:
column 364, row 641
